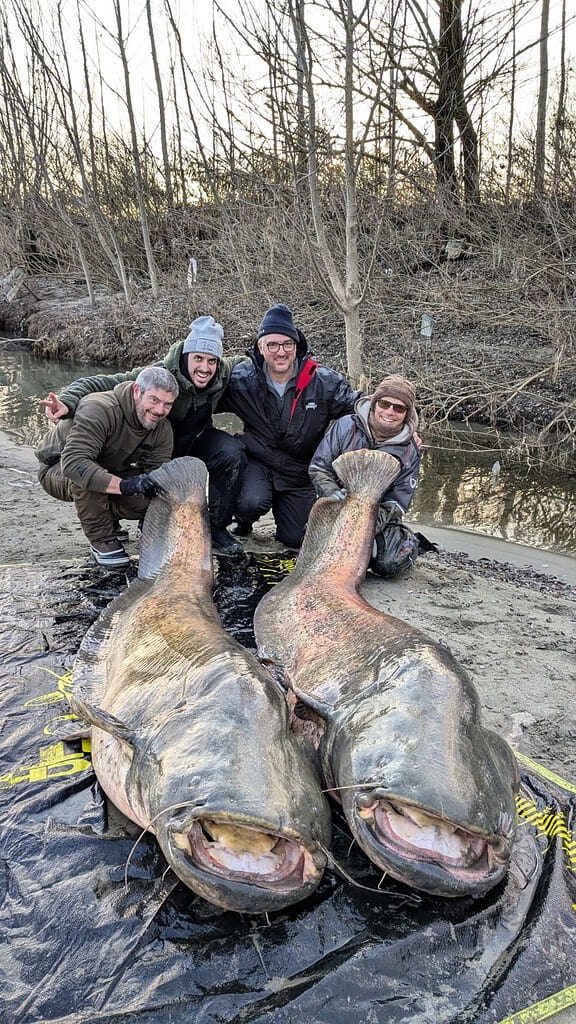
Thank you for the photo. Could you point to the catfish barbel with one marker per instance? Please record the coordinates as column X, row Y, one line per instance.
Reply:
column 427, row 790
column 190, row 734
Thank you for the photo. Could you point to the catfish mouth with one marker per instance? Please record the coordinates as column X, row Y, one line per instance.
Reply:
column 244, row 867
column 426, row 851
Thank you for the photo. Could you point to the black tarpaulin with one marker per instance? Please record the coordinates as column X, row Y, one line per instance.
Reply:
column 93, row 927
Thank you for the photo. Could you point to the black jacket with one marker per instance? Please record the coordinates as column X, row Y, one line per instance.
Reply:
column 283, row 433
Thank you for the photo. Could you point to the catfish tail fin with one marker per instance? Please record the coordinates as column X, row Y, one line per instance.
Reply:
column 182, row 482
column 366, row 472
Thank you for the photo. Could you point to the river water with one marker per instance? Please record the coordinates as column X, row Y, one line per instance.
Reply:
column 460, row 485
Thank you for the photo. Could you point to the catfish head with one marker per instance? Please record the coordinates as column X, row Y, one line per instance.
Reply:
column 221, row 834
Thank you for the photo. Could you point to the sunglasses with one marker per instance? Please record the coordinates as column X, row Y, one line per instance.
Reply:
column 275, row 346
column 383, row 404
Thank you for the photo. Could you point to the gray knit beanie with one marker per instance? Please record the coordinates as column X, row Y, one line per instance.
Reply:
column 205, row 336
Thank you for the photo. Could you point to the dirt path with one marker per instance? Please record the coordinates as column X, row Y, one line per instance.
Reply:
column 510, row 623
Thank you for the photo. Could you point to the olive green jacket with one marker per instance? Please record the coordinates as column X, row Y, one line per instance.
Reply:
column 106, row 439
column 190, row 398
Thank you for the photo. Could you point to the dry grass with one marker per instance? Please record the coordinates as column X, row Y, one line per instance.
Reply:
column 503, row 348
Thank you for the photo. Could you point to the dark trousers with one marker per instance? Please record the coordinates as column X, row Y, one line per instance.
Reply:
column 98, row 513
column 223, row 455
column 262, row 491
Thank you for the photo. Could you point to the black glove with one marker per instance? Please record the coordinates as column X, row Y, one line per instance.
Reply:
column 143, row 485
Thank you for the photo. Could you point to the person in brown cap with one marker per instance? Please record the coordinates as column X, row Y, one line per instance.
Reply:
column 387, row 421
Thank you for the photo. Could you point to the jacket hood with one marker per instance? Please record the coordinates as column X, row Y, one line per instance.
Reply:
column 125, row 394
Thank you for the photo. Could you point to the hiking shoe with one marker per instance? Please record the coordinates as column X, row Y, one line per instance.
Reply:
column 223, row 543
column 242, row 528
column 120, row 532
column 110, row 555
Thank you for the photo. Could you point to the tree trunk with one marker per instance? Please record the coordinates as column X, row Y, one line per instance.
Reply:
column 540, row 143
column 137, row 166
column 451, row 108
column 511, row 108
column 161, row 110
column 560, row 119
column 444, row 161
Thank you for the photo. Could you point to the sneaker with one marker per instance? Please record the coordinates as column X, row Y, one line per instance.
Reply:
column 223, row 543
column 110, row 555
column 120, row 532
column 242, row 528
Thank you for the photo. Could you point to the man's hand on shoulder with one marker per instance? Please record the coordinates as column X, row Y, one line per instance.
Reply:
column 55, row 409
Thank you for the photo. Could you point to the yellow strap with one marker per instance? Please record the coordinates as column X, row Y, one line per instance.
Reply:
column 546, row 1008
column 545, row 772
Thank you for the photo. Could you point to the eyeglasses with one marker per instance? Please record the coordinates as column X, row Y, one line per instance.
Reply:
column 383, row 404
column 275, row 346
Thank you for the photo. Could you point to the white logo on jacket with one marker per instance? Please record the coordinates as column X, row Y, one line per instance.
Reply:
column 311, row 405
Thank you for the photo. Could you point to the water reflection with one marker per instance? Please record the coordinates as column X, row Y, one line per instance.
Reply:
column 515, row 504
column 25, row 378
column 457, row 487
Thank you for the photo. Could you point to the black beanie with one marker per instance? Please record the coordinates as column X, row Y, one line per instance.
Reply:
column 278, row 320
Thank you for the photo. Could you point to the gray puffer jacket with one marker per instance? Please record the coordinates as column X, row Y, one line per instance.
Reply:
column 350, row 433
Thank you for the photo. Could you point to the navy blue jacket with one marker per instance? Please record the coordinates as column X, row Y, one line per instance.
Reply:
column 282, row 433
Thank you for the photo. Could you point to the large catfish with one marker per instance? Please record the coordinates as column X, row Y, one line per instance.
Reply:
column 428, row 792
column 190, row 734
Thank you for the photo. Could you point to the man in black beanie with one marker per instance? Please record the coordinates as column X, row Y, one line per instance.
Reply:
column 285, row 400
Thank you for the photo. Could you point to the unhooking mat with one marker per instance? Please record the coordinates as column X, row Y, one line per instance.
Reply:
column 93, row 927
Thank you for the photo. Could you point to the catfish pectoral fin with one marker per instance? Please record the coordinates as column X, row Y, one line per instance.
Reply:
column 100, row 719
column 71, row 728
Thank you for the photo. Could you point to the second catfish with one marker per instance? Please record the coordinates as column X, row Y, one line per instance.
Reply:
column 427, row 790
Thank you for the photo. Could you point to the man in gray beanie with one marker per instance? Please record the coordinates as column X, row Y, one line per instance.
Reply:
column 205, row 337
column 202, row 372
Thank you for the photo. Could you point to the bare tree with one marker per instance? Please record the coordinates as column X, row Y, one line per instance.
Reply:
column 451, row 106
column 137, row 162
column 511, row 108
column 161, row 108
column 540, row 140
column 447, row 57
column 313, row 66
column 49, row 160
column 560, row 117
